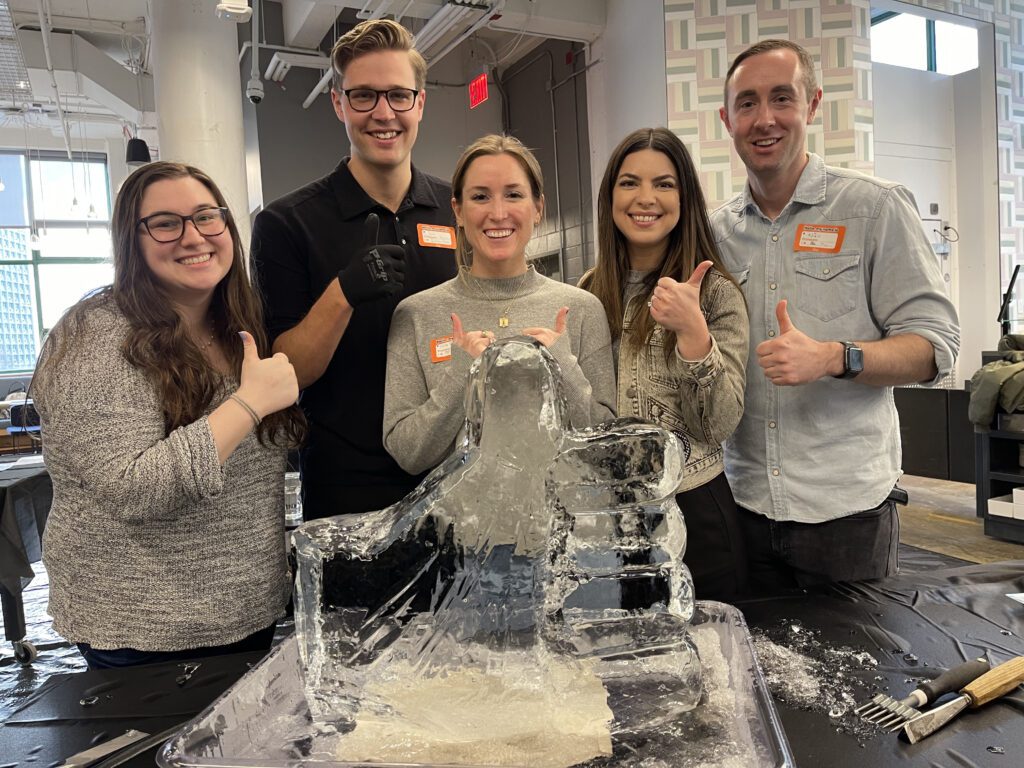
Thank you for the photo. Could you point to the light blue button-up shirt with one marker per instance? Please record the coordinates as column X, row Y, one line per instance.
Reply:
column 830, row 448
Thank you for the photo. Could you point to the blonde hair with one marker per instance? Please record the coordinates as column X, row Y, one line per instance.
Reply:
column 371, row 36
column 492, row 144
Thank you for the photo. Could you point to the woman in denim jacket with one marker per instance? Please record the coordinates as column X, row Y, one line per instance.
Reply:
column 679, row 325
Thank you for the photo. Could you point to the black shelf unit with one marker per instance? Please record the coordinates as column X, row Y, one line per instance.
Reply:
column 998, row 472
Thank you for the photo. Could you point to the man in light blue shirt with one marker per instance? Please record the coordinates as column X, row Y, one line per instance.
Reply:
column 845, row 300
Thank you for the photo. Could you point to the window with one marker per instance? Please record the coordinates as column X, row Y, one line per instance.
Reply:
column 54, row 245
column 906, row 40
column 956, row 48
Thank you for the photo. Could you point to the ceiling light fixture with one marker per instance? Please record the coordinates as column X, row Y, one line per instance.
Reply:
column 455, row 21
column 137, row 152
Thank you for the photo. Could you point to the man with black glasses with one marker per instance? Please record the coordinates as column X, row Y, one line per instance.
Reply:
column 334, row 258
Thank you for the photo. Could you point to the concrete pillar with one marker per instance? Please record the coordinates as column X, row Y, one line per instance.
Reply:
column 198, row 94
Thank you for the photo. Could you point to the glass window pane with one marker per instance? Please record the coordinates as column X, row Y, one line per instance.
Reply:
column 61, row 285
column 900, row 40
column 18, row 341
column 65, row 190
column 75, row 243
column 13, row 205
column 956, row 48
column 14, row 245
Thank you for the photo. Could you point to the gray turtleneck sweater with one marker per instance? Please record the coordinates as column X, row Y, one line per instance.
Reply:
column 423, row 400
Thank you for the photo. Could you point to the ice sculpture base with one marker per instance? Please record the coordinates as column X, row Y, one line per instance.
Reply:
column 263, row 720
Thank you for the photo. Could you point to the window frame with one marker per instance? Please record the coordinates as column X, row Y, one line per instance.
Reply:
column 35, row 259
column 930, row 47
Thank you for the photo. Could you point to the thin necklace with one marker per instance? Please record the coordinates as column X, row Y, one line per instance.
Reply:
column 481, row 283
column 208, row 343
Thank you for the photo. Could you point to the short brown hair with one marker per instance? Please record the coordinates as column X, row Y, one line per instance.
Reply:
column 806, row 64
column 371, row 36
column 492, row 144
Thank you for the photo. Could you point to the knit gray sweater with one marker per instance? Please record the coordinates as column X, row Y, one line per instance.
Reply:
column 423, row 400
column 151, row 544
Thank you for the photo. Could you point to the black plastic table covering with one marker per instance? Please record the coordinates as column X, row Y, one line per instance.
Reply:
column 25, row 497
column 943, row 617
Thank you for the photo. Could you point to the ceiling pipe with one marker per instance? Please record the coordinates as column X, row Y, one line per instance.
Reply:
column 254, row 61
column 494, row 8
column 45, row 29
column 319, row 88
column 272, row 47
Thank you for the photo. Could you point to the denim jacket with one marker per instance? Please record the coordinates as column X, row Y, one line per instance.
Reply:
column 700, row 401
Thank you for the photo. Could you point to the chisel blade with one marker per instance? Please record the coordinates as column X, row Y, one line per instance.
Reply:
column 928, row 722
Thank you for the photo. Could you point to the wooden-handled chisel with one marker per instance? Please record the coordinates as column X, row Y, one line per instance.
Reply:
column 984, row 689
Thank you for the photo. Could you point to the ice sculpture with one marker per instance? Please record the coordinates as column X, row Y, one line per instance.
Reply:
column 479, row 619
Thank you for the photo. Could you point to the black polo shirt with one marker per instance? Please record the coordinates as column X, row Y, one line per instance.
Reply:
column 299, row 243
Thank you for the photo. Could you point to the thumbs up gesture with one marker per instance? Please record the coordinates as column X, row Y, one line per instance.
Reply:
column 676, row 306
column 375, row 270
column 792, row 357
column 546, row 336
column 269, row 384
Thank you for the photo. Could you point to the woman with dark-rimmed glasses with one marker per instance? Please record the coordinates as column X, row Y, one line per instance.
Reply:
column 165, row 433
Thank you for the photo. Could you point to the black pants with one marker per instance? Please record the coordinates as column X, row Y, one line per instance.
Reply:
column 330, row 500
column 96, row 658
column 715, row 550
column 784, row 556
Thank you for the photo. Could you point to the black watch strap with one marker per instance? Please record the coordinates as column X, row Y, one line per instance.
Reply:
column 853, row 360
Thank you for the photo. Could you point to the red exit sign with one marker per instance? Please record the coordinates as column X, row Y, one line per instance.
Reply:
column 478, row 90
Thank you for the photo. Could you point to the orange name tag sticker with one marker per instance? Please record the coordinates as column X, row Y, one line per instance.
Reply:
column 435, row 236
column 819, row 238
column 441, row 349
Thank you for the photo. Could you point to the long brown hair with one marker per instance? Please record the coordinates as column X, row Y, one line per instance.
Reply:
column 158, row 343
column 492, row 144
column 690, row 242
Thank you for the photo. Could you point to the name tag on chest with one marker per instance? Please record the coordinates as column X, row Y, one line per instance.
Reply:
column 435, row 236
column 441, row 349
column 819, row 238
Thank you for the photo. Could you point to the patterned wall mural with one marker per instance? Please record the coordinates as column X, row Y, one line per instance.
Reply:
column 703, row 36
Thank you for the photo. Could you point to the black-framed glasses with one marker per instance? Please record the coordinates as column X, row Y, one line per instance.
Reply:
column 168, row 227
column 365, row 99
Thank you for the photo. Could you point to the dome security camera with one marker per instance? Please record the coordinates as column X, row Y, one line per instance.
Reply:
column 254, row 90
column 238, row 12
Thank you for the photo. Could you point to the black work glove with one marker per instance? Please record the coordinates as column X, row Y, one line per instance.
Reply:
column 375, row 271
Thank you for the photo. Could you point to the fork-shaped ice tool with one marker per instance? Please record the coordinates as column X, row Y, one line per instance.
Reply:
column 886, row 712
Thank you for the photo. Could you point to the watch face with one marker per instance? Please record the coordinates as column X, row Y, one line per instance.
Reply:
column 854, row 359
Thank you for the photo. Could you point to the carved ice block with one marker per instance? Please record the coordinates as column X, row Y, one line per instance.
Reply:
column 535, row 553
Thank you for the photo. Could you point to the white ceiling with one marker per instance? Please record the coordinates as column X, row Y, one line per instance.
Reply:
column 117, row 28
column 120, row 30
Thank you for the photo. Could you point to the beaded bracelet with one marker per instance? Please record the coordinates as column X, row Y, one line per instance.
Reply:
column 248, row 408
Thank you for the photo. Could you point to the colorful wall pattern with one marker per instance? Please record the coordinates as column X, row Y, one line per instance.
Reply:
column 703, row 36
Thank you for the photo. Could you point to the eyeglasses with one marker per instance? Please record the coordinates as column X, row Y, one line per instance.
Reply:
column 169, row 227
column 365, row 99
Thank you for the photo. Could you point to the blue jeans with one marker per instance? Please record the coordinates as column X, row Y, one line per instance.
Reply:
column 97, row 658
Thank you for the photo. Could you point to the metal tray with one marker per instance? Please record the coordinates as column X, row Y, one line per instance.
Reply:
column 263, row 720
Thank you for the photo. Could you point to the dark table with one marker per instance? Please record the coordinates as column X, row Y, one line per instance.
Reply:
column 25, row 497
column 940, row 619
column 943, row 617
